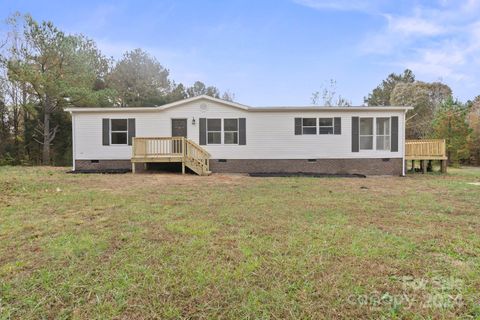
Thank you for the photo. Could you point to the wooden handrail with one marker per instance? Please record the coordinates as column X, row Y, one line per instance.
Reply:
column 195, row 153
column 198, row 146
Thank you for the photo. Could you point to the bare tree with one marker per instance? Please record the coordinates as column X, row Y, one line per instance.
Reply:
column 328, row 96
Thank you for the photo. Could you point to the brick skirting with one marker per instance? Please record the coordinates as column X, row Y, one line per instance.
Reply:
column 389, row 166
column 102, row 165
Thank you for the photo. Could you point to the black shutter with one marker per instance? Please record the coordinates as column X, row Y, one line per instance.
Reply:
column 106, row 132
column 355, row 134
column 203, row 132
column 131, row 130
column 394, row 142
column 242, row 134
column 298, row 126
column 337, row 125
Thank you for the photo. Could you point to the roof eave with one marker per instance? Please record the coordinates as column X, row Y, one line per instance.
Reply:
column 142, row 109
column 327, row 109
column 243, row 107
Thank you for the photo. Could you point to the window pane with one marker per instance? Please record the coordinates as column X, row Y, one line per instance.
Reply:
column 230, row 124
column 380, row 143
column 119, row 138
column 326, row 122
column 326, row 130
column 383, row 142
column 231, row 138
column 366, row 126
column 214, row 125
column 214, row 137
column 310, row 122
column 309, row 130
column 366, row 143
column 119, row 124
column 383, row 126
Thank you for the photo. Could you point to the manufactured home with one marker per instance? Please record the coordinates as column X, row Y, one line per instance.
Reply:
column 206, row 135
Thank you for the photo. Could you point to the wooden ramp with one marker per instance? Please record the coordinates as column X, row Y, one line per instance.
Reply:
column 426, row 150
column 171, row 149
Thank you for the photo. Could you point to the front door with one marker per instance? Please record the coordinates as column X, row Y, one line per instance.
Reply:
column 179, row 128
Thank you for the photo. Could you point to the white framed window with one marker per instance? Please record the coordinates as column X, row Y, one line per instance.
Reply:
column 325, row 126
column 383, row 133
column 366, row 133
column 214, row 131
column 230, row 131
column 309, row 125
column 119, row 131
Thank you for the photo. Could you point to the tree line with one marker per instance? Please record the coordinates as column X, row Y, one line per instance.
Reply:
column 436, row 114
column 43, row 70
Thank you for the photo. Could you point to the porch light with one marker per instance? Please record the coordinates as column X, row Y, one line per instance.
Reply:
column 193, row 121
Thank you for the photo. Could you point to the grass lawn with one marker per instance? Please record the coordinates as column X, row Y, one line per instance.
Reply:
column 171, row 246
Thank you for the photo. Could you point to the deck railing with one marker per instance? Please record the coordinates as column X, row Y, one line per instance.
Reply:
column 425, row 149
column 171, row 149
column 151, row 147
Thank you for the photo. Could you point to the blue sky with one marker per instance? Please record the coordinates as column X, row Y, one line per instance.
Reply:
column 278, row 52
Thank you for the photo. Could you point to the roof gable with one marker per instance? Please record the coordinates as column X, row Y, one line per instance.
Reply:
column 204, row 98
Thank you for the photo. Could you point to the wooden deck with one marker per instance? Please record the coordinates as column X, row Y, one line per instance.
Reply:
column 426, row 150
column 171, row 149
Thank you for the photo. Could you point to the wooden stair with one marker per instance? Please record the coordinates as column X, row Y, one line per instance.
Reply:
column 196, row 158
column 171, row 149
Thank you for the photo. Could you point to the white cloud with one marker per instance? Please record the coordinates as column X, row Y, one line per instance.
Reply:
column 413, row 26
column 437, row 43
column 437, row 39
column 471, row 6
column 446, row 62
column 342, row 5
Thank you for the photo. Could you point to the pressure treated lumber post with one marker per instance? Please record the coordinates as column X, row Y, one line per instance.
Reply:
column 443, row 166
column 413, row 165
column 184, row 147
column 424, row 166
column 133, row 154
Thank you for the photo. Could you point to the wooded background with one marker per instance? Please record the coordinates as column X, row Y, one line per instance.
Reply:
column 43, row 70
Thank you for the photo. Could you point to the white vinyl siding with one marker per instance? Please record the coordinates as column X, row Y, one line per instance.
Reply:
column 269, row 134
